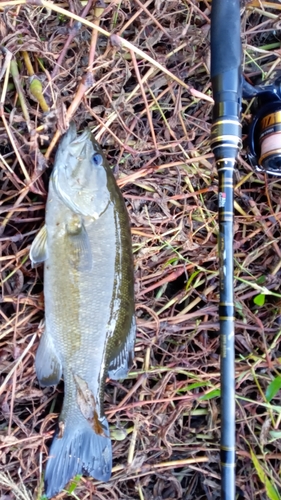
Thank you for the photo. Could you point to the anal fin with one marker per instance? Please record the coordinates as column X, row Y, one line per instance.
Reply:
column 47, row 364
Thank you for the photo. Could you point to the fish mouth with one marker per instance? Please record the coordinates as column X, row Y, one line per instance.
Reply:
column 79, row 145
column 72, row 143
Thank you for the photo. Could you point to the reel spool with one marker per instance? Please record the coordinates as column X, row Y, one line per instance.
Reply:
column 265, row 130
column 265, row 139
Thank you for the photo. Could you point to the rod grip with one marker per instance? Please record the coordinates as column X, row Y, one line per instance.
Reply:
column 226, row 51
column 226, row 57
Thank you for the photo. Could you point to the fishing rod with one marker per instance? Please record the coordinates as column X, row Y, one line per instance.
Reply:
column 225, row 143
column 265, row 156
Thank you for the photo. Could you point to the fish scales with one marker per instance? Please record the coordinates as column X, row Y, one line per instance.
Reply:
column 89, row 304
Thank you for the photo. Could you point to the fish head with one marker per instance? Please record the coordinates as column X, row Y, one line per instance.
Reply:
column 80, row 174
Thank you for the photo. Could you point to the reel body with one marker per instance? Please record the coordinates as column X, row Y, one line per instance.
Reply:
column 265, row 130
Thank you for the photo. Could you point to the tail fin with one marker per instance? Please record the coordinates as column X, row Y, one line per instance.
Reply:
column 78, row 451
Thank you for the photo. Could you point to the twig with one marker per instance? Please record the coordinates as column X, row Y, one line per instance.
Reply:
column 144, row 98
column 74, row 30
column 16, row 77
column 98, row 11
column 36, row 90
column 116, row 40
column 19, row 360
column 148, row 13
column 7, row 61
column 85, row 84
column 2, row 100
column 27, row 62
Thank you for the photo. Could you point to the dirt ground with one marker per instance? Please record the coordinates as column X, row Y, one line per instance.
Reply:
column 140, row 79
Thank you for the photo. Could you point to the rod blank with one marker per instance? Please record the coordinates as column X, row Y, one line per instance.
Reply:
column 225, row 143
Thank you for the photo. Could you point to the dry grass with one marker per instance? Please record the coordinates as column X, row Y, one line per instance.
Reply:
column 148, row 100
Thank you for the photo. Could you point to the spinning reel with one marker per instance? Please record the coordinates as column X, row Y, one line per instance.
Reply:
column 265, row 130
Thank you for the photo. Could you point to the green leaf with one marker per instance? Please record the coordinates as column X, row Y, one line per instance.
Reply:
column 195, row 385
column 173, row 260
column 258, row 467
column 273, row 388
column 191, row 278
column 261, row 280
column 118, row 434
column 271, row 491
column 74, row 483
column 239, row 309
column 275, row 434
column 212, row 394
column 259, row 300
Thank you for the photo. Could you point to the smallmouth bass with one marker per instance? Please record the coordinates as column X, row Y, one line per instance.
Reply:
column 89, row 304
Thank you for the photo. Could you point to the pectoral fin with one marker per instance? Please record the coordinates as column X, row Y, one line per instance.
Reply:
column 47, row 364
column 39, row 251
column 121, row 363
column 80, row 254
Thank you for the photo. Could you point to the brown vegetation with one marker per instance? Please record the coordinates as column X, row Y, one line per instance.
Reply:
column 145, row 91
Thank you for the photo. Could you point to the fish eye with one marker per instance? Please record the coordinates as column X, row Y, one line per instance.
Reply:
column 97, row 159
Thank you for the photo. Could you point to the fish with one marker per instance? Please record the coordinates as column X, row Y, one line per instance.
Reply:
column 89, row 326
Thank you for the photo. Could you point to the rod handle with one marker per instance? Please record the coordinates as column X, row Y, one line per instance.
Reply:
column 226, row 51
column 226, row 58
